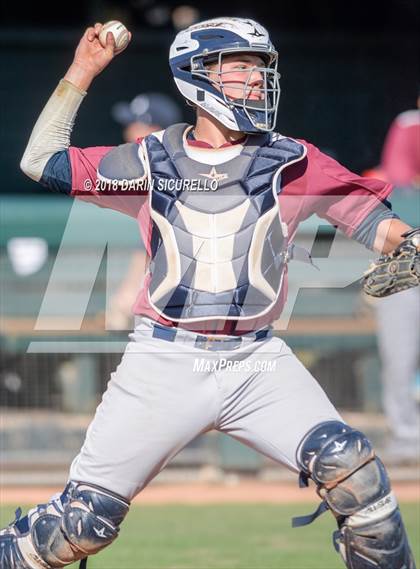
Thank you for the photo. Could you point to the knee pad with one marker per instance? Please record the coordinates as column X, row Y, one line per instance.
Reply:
column 354, row 485
column 78, row 523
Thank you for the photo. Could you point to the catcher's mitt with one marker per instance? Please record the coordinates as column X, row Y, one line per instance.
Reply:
column 397, row 270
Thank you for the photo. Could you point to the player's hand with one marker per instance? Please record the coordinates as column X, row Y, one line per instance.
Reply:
column 396, row 271
column 91, row 57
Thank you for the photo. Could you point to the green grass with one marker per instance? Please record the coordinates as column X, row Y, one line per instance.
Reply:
column 225, row 537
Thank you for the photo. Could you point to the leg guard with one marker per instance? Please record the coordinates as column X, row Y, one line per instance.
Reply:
column 354, row 485
column 80, row 522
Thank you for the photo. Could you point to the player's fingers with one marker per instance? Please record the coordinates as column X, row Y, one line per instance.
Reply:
column 98, row 27
column 90, row 34
column 110, row 43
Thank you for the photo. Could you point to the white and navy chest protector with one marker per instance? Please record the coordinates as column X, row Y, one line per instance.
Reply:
column 217, row 254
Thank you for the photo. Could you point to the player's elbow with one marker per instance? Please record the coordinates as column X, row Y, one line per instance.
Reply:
column 30, row 166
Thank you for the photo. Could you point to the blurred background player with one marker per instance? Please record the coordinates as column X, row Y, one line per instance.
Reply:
column 146, row 113
column 398, row 315
column 401, row 152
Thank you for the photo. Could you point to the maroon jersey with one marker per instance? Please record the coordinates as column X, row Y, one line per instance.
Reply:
column 315, row 185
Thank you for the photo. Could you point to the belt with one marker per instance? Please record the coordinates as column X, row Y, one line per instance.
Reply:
column 207, row 342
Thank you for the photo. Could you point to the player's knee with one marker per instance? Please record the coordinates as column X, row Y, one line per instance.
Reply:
column 79, row 523
column 342, row 463
column 354, row 485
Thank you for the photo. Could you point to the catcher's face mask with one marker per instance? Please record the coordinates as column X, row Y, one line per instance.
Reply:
column 248, row 81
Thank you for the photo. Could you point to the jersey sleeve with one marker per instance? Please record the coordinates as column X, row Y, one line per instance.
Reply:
column 98, row 173
column 56, row 175
column 326, row 188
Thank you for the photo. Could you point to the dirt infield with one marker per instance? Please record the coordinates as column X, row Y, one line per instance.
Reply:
column 197, row 493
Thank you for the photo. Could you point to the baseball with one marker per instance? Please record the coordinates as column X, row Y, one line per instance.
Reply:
column 119, row 31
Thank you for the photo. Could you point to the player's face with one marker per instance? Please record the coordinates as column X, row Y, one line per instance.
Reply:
column 239, row 77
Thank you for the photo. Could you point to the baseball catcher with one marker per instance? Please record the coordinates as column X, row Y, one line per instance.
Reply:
column 216, row 281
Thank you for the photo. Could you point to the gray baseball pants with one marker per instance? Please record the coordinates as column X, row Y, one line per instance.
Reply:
column 163, row 394
column 398, row 318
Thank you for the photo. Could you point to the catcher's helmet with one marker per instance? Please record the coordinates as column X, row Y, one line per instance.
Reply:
column 208, row 42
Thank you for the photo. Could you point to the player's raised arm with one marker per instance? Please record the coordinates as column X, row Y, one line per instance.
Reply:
column 51, row 133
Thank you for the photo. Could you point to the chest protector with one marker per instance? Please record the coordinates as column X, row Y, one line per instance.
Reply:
column 217, row 254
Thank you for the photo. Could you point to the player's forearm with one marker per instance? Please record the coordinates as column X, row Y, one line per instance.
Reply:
column 389, row 235
column 79, row 76
column 52, row 130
